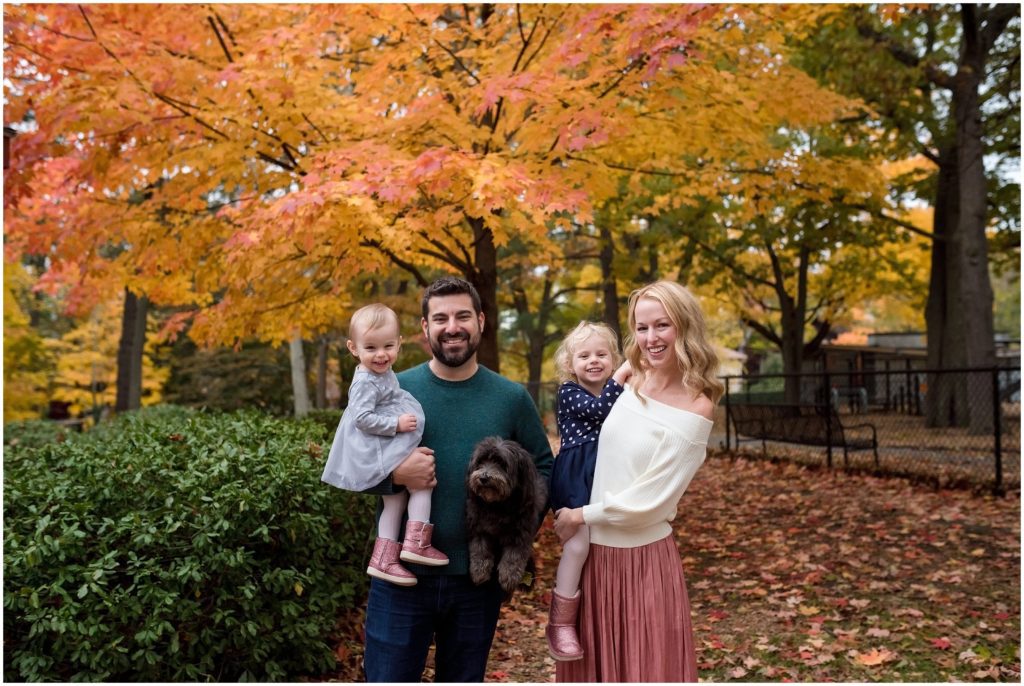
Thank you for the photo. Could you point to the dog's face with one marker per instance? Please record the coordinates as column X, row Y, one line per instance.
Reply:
column 495, row 469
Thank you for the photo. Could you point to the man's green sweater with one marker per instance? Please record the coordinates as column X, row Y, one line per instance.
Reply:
column 458, row 414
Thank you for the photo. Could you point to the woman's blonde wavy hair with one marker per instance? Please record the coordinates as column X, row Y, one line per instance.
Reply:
column 583, row 331
column 697, row 359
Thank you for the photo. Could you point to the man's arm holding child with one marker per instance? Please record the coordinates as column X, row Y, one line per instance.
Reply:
column 415, row 473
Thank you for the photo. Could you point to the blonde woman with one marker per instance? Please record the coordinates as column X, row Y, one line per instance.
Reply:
column 634, row 620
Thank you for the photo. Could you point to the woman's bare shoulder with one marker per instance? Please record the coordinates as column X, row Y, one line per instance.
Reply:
column 685, row 399
column 703, row 406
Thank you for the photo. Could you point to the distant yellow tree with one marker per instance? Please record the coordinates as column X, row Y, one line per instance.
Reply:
column 86, row 369
column 25, row 360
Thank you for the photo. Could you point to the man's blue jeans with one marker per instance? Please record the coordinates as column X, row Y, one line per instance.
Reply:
column 401, row 622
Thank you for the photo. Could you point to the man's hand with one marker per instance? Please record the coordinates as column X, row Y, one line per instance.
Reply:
column 417, row 471
column 406, row 423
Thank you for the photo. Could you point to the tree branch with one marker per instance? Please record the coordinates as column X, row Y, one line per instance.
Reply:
column 766, row 332
column 315, row 127
column 220, row 39
column 995, row 21
column 731, row 265
column 903, row 54
column 396, row 260
column 879, row 214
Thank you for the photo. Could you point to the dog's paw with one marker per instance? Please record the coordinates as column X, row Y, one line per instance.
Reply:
column 480, row 570
column 509, row 576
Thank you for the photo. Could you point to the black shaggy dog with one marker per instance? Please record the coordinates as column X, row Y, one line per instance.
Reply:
column 507, row 497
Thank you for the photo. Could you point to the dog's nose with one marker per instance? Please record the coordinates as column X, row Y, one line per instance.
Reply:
column 484, row 478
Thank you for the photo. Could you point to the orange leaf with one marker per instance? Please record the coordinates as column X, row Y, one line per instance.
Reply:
column 875, row 657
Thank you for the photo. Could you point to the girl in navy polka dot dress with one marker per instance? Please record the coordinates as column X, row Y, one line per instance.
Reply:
column 585, row 362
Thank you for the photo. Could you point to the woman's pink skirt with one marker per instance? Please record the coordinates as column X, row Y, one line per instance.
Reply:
column 634, row 619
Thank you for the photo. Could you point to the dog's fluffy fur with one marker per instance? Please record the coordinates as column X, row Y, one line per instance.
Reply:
column 506, row 500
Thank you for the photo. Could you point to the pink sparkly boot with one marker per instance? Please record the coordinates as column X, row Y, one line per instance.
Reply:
column 417, row 548
column 563, row 643
column 384, row 563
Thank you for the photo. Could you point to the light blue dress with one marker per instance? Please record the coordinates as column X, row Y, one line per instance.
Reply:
column 367, row 446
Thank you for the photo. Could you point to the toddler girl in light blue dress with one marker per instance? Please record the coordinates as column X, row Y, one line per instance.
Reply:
column 380, row 427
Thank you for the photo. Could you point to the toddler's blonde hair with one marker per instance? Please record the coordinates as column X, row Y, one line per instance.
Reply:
column 371, row 317
column 583, row 331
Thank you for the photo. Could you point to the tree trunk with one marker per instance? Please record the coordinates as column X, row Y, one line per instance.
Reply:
column 609, row 287
column 129, row 352
column 299, row 388
column 946, row 394
column 791, row 323
column 792, row 353
column 534, row 364
column 321, row 373
column 534, row 330
column 484, row 276
column 970, row 245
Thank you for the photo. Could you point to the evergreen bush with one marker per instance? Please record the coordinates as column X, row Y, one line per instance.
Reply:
column 32, row 433
column 328, row 419
column 174, row 545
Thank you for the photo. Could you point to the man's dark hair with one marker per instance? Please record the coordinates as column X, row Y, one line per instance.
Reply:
column 450, row 285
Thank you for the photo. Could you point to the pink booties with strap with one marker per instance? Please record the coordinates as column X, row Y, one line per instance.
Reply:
column 416, row 546
column 384, row 563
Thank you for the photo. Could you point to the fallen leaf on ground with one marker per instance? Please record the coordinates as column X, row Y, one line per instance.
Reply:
column 874, row 657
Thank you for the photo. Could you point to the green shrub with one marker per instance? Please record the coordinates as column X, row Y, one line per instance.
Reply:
column 328, row 419
column 33, row 433
column 257, row 375
column 173, row 545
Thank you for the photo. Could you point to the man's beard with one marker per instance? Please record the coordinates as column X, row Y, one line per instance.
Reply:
column 454, row 358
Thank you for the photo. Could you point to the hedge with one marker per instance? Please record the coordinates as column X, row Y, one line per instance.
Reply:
column 175, row 545
column 32, row 433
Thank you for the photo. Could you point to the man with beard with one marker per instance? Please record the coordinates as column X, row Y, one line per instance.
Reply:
column 463, row 403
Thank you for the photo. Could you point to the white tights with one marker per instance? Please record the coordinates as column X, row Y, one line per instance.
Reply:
column 395, row 505
column 570, row 567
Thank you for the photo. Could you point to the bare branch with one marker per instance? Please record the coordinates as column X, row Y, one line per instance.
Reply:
column 220, row 39
column 315, row 127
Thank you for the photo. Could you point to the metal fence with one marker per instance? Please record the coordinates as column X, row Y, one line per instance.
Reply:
column 950, row 426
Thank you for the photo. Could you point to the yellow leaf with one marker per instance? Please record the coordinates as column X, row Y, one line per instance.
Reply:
column 298, row 588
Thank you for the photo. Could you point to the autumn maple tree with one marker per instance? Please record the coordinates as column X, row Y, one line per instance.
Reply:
column 243, row 164
column 258, row 156
column 764, row 200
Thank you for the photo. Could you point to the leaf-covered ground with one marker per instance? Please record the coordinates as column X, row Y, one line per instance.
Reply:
column 798, row 574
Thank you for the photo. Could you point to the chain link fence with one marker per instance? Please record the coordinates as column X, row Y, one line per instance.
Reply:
column 952, row 426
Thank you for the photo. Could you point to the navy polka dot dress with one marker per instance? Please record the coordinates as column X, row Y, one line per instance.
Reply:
column 579, row 416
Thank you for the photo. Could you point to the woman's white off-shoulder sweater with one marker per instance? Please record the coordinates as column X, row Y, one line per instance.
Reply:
column 646, row 456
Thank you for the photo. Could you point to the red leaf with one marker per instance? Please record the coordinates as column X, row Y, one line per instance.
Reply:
column 940, row 643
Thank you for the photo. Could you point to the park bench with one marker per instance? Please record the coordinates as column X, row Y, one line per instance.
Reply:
column 804, row 424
